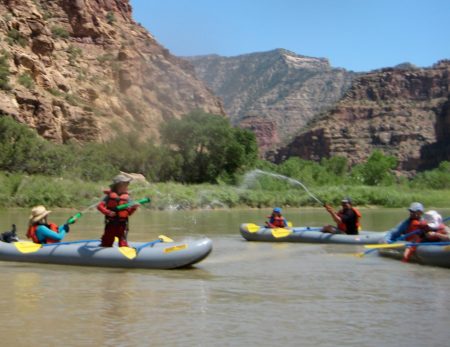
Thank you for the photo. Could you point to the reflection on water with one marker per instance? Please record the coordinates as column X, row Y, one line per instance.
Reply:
column 244, row 293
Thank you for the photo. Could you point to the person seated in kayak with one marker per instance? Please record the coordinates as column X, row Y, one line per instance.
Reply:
column 434, row 229
column 116, row 222
column 276, row 220
column 347, row 219
column 410, row 230
column 41, row 231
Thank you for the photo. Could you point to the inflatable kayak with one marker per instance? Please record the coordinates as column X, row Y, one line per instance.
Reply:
column 151, row 255
column 435, row 255
column 253, row 232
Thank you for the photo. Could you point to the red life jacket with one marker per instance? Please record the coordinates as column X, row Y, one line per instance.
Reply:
column 414, row 224
column 31, row 233
column 112, row 200
column 342, row 226
column 276, row 222
column 441, row 230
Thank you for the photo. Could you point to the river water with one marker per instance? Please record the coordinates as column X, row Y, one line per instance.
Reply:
column 243, row 294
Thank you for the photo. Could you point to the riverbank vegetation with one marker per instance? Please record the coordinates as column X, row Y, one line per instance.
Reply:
column 202, row 162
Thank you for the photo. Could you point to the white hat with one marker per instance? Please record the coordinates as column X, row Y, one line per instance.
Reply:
column 433, row 219
column 38, row 213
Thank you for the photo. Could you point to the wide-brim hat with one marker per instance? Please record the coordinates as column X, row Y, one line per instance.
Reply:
column 120, row 179
column 38, row 213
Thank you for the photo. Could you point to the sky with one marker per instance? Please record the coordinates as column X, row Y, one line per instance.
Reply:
column 358, row 35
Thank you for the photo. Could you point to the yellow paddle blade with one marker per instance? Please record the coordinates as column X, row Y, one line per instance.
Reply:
column 252, row 228
column 164, row 238
column 128, row 252
column 280, row 232
column 27, row 247
column 290, row 224
column 385, row 245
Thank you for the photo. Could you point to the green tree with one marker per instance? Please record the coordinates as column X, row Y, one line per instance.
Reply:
column 208, row 146
column 377, row 170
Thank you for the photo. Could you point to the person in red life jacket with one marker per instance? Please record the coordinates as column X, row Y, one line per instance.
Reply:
column 347, row 219
column 41, row 231
column 411, row 230
column 435, row 230
column 116, row 222
column 276, row 220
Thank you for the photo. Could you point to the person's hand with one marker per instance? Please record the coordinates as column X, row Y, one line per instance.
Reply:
column 328, row 208
column 112, row 214
column 66, row 227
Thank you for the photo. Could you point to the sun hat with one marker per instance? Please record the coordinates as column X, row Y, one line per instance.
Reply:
column 433, row 219
column 416, row 207
column 120, row 179
column 38, row 213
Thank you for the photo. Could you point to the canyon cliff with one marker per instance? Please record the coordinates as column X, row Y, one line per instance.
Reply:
column 83, row 70
column 404, row 111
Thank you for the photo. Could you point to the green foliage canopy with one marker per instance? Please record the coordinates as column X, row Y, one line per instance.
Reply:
column 208, row 146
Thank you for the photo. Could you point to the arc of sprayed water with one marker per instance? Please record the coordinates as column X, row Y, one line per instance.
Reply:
column 291, row 180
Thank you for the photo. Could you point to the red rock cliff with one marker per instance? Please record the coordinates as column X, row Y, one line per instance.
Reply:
column 404, row 113
column 83, row 69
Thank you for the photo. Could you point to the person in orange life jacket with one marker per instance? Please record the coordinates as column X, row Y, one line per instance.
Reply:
column 347, row 219
column 116, row 222
column 435, row 230
column 414, row 226
column 41, row 231
column 276, row 220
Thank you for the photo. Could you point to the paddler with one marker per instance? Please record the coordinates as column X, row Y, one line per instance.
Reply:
column 347, row 219
column 276, row 220
column 116, row 222
column 41, row 231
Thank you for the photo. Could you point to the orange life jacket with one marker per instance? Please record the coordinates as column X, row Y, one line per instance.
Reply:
column 342, row 226
column 276, row 222
column 31, row 233
column 112, row 200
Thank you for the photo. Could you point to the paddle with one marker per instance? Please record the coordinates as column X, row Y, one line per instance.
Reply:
column 131, row 252
column 30, row 247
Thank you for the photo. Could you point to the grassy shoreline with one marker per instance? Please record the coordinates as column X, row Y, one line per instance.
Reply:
column 18, row 190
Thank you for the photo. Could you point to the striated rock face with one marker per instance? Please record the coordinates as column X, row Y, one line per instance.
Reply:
column 83, row 70
column 274, row 93
column 403, row 112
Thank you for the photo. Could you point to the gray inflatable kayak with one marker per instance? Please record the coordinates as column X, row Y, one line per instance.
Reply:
column 253, row 232
column 151, row 255
column 435, row 255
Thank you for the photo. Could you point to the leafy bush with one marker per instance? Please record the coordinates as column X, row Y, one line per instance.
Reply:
column 208, row 146
column 438, row 178
column 60, row 32
column 15, row 37
column 26, row 80
column 377, row 170
column 4, row 73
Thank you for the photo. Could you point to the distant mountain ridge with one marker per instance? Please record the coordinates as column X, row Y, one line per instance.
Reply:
column 274, row 93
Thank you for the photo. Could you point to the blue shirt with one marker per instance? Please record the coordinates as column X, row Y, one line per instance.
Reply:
column 43, row 232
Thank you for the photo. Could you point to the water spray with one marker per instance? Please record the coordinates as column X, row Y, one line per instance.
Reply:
column 290, row 180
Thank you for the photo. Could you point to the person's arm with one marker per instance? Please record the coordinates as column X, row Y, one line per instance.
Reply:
column 393, row 234
column 333, row 214
column 103, row 209
column 43, row 232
